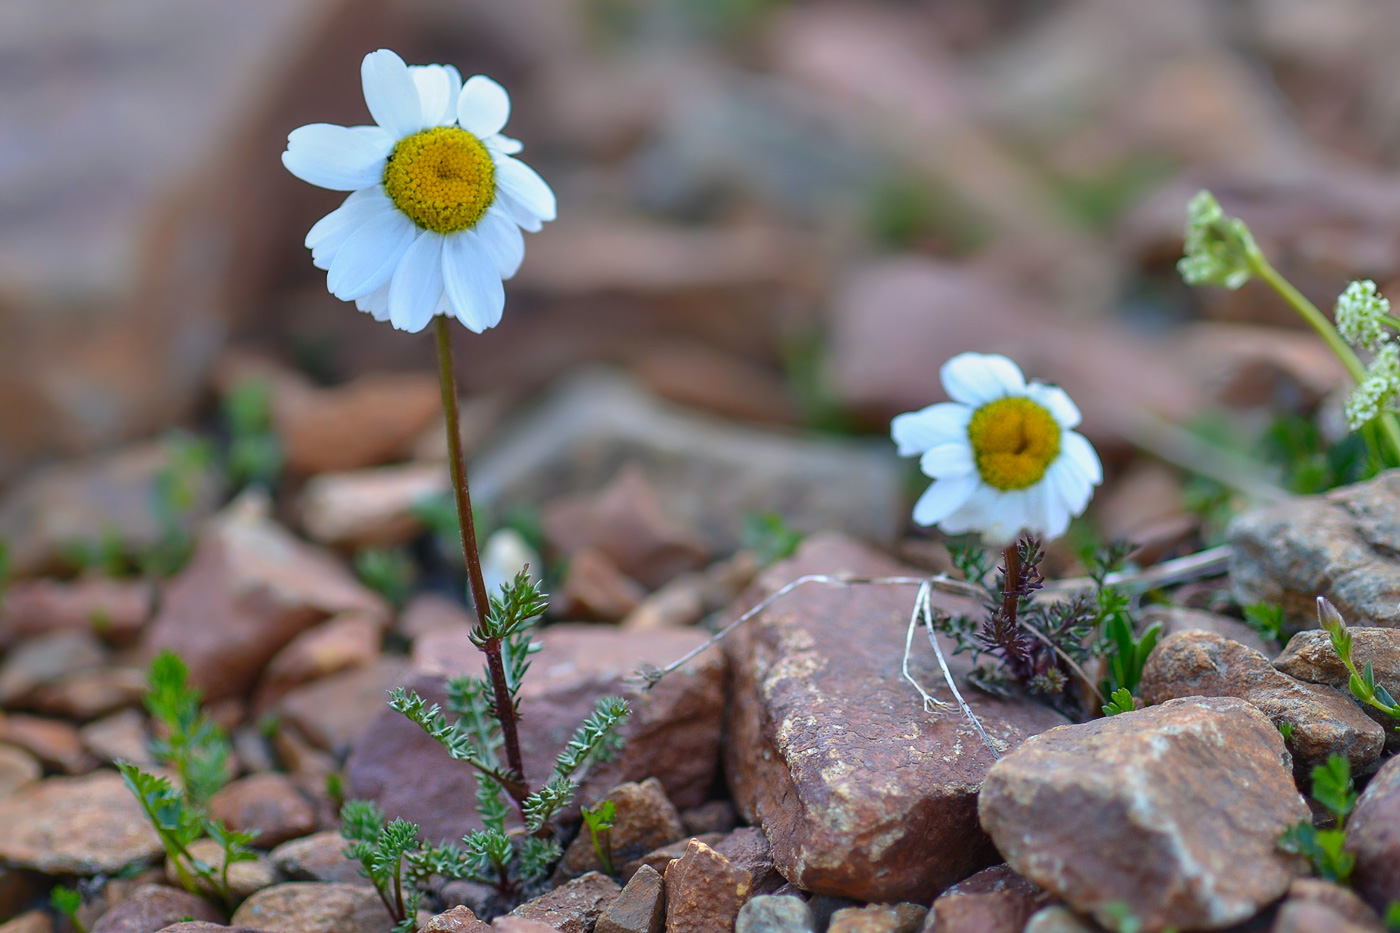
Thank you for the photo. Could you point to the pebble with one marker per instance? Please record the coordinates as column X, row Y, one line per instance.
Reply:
column 640, row 908
column 314, row 907
column 268, row 803
column 573, row 907
column 770, row 913
column 704, row 892
column 645, row 820
column 75, row 826
column 153, row 907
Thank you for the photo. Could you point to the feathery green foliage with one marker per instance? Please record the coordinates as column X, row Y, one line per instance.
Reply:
column 1326, row 848
column 394, row 860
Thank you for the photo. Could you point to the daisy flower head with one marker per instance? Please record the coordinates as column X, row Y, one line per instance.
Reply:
column 1003, row 454
column 437, row 204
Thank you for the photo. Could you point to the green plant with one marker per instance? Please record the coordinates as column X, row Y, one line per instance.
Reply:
column 1122, row 701
column 599, row 821
column 1362, row 683
column 1266, row 619
column 67, row 901
column 1325, row 848
column 1120, row 918
column 1285, row 729
column 255, row 454
column 1392, row 917
column 769, row 537
column 395, row 861
column 190, row 464
column 479, row 734
column 390, row 572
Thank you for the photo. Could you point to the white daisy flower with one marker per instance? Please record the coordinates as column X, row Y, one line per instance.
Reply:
column 1003, row 455
column 433, row 223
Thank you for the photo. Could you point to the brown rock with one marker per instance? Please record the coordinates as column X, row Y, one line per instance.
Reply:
column 626, row 522
column 1342, row 901
column 658, row 859
column 1373, row 835
column 333, row 711
column 673, row 733
column 879, row 918
column 995, row 900
column 521, row 925
column 56, row 744
column 318, row 857
column 689, row 597
column 704, row 891
column 345, row 641
column 313, row 907
column 34, row 921
column 121, row 735
column 1176, row 619
column 861, row 793
column 40, row 661
column 199, row 926
column 370, row 508
column 1058, row 919
column 573, row 907
column 75, row 826
column 640, row 908
column 1198, row 789
column 456, row 920
column 1324, row 722
column 1309, row 656
column 17, row 768
column 87, row 695
column 269, row 803
column 250, row 588
column 244, row 878
column 115, row 610
column 371, row 420
column 1339, row 545
column 645, row 820
column 428, row 612
column 154, row 907
column 712, row 816
column 689, row 374
column 1312, row 917
column 45, row 515
column 595, row 589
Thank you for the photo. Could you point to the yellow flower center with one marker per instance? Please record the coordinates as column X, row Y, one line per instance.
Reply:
column 442, row 178
column 1014, row 440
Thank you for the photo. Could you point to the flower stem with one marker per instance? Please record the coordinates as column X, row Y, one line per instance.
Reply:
column 503, row 702
column 1011, row 585
column 1325, row 329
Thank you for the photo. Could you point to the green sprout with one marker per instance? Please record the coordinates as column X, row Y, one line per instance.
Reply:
column 1122, row 701
column 1392, row 917
column 1266, row 619
column 1326, row 848
column 394, row 860
column 1362, row 683
column 600, row 820
column 390, row 572
column 255, row 454
column 193, row 745
column 769, row 537
column 67, row 902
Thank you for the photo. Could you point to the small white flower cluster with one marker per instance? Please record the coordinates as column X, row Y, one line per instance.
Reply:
column 1217, row 247
column 1359, row 314
column 1378, row 390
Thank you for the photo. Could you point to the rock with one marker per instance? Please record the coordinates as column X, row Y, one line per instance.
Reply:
column 1176, row 619
column 689, row 597
column 689, row 374
column 44, row 516
column 456, row 920
column 626, row 522
column 704, row 891
column 1059, row 920
column 333, row 711
column 370, row 508
column 368, row 421
column 1198, row 789
column 709, row 474
column 318, row 857
column 428, row 612
column 1309, row 656
column 769, row 913
column 199, row 926
column 345, row 641
column 75, row 826
column 747, row 848
column 995, row 900
column 244, row 878
column 1312, row 917
column 1373, row 835
column 40, row 661
column 861, row 793
column 1340, row 545
column 1324, row 722
column 879, row 918
column 115, row 610
column 88, row 694
column 712, row 816
column 154, row 907
column 121, row 735
column 1339, row 900
column 640, row 908
column 658, row 859
column 673, row 733
column 17, row 768
column 250, row 588
column 521, row 925
column 56, row 744
column 573, row 907
column 269, row 803
column 594, row 588
column 1144, row 505
column 645, row 820
column 34, row 921
column 314, row 907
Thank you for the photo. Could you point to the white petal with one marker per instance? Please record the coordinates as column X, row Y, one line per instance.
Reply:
column 1073, row 491
column 416, row 288
column 376, row 303
column 977, row 378
column 472, row 283
column 341, row 222
column 943, row 498
column 525, row 187
column 524, row 218
column 503, row 143
column 945, row 460
column 1037, row 516
column 502, row 240
column 391, row 94
column 1057, row 402
column 370, row 255
column 973, row 514
column 483, row 107
column 1056, row 511
column 334, row 157
column 1009, row 517
column 1077, row 448
column 438, row 87
column 917, row 431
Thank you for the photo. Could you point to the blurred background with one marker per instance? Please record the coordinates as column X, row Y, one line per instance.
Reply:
column 779, row 213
